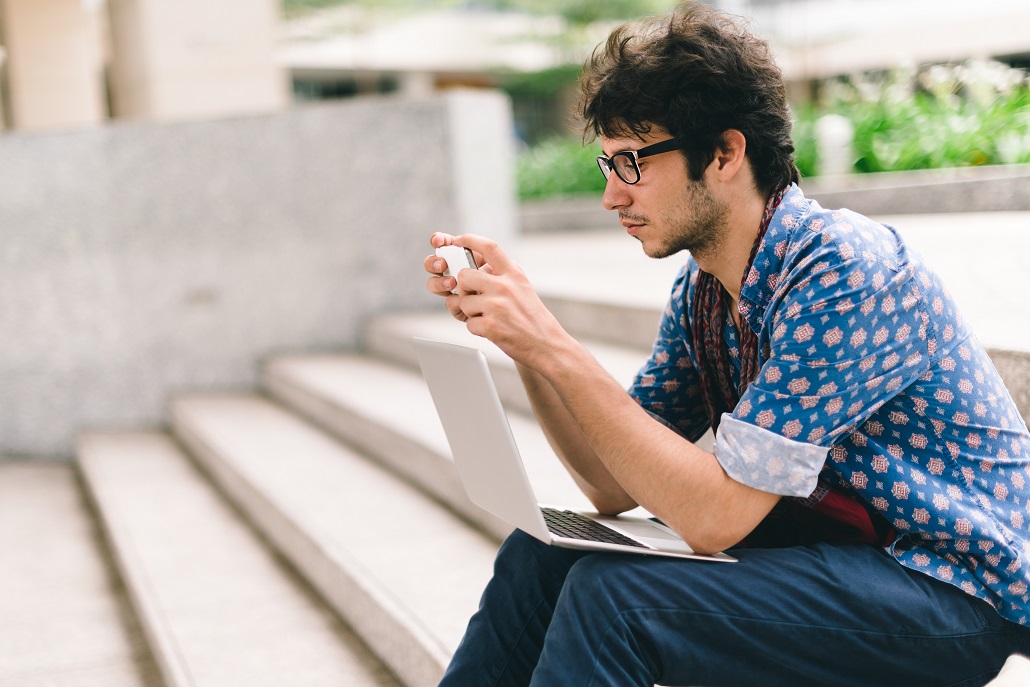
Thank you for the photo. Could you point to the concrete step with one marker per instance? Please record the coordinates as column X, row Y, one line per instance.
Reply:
column 599, row 284
column 389, row 337
column 66, row 617
column 217, row 606
column 401, row 570
column 385, row 411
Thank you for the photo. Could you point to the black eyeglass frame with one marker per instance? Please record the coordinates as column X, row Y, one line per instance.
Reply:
column 607, row 165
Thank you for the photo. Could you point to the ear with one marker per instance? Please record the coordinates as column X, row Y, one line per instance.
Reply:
column 729, row 155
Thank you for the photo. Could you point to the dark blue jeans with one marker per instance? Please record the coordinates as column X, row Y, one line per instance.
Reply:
column 825, row 615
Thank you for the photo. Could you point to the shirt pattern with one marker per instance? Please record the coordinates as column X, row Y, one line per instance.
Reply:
column 869, row 379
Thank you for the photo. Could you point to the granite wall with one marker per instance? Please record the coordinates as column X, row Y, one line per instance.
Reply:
column 138, row 260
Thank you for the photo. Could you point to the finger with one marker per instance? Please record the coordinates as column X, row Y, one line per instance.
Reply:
column 472, row 305
column 441, row 286
column 432, row 263
column 435, row 265
column 473, row 281
column 490, row 251
column 454, row 308
column 440, row 239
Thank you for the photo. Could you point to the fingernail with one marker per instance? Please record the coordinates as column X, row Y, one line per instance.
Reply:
column 438, row 266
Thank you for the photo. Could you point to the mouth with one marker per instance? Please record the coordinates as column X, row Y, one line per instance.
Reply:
column 632, row 224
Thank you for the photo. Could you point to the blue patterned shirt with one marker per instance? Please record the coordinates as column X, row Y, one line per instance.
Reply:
column 870, row 380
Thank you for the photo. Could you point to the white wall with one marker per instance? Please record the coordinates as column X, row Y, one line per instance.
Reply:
column 139, row 259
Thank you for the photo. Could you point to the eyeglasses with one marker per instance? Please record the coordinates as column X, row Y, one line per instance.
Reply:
column 625, row 163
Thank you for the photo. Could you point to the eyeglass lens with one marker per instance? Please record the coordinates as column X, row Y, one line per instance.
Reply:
column 623, row 164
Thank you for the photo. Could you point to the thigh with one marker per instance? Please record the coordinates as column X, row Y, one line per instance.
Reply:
column 504, row 638
column 828, row 614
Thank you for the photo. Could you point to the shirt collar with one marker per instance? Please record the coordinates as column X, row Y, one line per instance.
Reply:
column 764, row 275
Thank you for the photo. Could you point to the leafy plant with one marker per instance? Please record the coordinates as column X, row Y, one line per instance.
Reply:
column 559, row 166
column 971, row 114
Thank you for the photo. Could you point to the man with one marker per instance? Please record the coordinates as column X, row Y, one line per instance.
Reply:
column 869, row 472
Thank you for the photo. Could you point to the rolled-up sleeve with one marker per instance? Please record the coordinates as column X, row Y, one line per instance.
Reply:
column 766, row 460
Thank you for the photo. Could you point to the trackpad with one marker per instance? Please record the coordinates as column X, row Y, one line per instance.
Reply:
column 644, row 530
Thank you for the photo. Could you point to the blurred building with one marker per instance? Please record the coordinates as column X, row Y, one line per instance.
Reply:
column 67, row 63
column 820, row 39
column 345, row 51
column 348, row 51
column 70, row 63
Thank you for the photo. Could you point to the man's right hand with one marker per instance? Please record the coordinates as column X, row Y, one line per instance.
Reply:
column 440, row 285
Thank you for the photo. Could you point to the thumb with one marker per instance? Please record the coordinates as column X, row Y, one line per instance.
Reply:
column 493, row 254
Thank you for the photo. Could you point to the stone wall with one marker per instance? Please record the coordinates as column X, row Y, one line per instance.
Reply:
column 138, row 260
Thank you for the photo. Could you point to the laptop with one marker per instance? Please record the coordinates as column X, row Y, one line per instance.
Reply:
column 493, row 474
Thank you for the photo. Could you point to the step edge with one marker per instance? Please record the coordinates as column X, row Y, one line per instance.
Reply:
column 289, row 533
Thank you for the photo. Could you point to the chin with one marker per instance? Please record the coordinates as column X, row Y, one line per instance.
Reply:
column 657, row 251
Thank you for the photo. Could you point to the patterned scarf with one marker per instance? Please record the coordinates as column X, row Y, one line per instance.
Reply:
column 829, row 513
column 711, row 308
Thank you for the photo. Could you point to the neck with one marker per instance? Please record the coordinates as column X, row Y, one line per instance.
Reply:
column 728, row 262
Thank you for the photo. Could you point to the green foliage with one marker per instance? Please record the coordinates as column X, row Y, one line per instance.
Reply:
column 928, row 133
column 976, row 113
column 547, row 83
column 805, row 152
column 293, row 8
column 587, row 11
column 577, row 12
column 560, row 166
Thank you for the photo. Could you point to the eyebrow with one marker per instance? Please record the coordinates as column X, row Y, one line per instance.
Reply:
column 624, row 150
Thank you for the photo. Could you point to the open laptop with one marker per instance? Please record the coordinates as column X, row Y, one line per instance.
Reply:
column 491, row 469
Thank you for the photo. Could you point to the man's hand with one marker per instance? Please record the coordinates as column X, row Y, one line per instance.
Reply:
column 496, row 302
column 444, row 286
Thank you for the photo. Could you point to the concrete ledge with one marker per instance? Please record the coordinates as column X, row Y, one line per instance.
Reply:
column 969, row 189
column 1014, row 368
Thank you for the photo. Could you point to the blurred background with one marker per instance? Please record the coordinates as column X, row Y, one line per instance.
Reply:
column 213, row 220
column 188, row 187
column 916, row 83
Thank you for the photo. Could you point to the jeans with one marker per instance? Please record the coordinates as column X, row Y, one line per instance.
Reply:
column 831, row 614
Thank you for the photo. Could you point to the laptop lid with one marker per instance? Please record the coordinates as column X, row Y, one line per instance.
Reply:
column 491, row 468
column 485, row 453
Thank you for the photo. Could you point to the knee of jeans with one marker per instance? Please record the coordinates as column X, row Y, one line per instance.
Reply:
column 519, row 547
column 594, row 580
column 522, row 554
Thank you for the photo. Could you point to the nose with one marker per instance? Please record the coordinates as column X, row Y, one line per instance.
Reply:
column 616, row 193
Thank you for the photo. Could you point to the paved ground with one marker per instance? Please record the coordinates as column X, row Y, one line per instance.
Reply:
column 983, row 257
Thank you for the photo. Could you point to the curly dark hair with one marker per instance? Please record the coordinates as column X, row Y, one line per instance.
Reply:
column 696, row 74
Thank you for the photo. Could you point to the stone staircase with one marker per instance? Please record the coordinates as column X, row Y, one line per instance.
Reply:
column 312, row 532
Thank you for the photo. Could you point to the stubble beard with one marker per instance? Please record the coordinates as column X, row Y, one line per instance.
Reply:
column 697, row 222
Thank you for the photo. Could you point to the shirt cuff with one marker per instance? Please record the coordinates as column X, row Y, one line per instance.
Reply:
column 766, row 460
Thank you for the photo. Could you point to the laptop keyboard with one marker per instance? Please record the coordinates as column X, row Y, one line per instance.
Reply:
column 574, row 526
